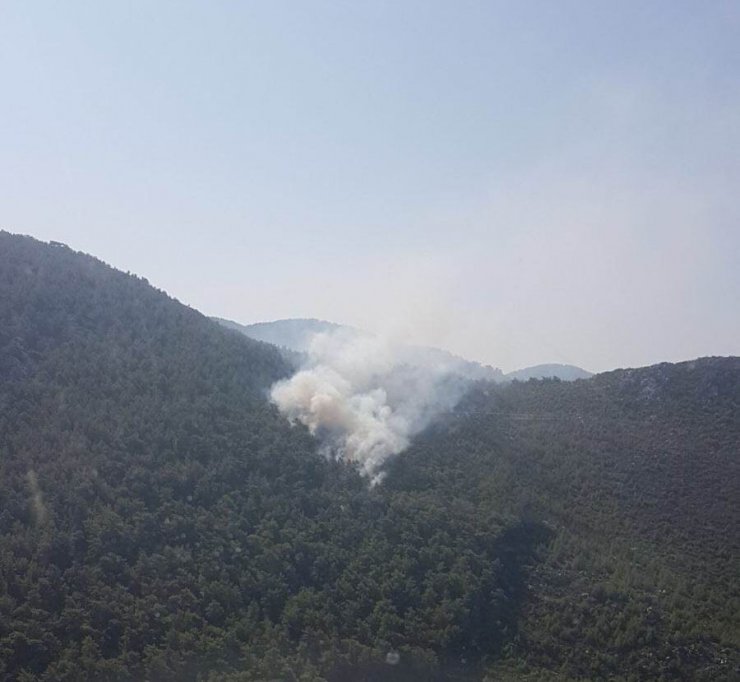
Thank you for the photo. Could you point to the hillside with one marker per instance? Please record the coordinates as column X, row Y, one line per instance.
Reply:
column 160, row 520
column 637, row 472
column 296, row 335
column 552, row 371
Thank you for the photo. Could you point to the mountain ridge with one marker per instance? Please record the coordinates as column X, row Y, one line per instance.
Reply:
column 295, row 334
column 549, row 371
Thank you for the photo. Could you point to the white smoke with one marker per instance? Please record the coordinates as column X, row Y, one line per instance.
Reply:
column 364, row 397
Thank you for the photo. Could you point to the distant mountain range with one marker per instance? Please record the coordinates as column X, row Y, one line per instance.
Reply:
column 296, row 334
column 549, row 371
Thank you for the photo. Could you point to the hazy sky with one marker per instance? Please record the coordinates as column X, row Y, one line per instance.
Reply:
column 519, row 182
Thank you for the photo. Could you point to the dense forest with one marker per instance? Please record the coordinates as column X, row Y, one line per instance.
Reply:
column 637, row 475
column 159, row 520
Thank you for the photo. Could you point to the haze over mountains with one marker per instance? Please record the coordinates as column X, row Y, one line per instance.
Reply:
column 296, row 335
column 161, row 519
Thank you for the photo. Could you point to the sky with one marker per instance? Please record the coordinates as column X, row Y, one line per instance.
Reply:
column 518, row 182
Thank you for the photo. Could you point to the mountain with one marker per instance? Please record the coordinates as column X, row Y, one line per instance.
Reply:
column 637, row 473
column 160, row 520
column 296, row 335
column 553, row 371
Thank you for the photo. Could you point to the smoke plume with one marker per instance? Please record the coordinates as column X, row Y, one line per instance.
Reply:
column 364, row 398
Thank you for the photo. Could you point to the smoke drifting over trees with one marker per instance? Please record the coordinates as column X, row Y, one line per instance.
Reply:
column 365, row 397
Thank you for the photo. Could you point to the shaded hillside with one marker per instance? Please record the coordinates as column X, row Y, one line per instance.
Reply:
column 638, row 474
column 159, row 520
column 57, row 305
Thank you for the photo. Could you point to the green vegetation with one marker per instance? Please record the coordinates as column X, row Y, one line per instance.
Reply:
column 637, row 474
column 159, row 520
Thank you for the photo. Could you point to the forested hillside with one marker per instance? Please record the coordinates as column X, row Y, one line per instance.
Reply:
column 637, row 473
column 159, row 520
